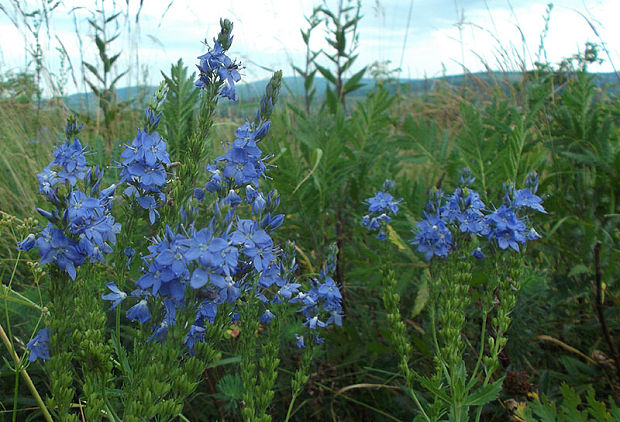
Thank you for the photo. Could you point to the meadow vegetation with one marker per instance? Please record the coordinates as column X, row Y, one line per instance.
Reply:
column 323, row 266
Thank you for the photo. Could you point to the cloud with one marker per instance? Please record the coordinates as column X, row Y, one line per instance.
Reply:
column 443, row 35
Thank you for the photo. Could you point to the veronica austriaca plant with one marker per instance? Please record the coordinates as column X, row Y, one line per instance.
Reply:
column 460, row 235
column 208, row 260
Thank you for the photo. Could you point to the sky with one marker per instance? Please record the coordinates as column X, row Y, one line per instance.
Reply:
column 413, row 38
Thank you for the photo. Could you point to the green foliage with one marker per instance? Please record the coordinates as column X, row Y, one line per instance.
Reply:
column 230, row 391
column 342, row 37
column 20, row 87
column 179, row 108
column 570, row 408
column 105, row 86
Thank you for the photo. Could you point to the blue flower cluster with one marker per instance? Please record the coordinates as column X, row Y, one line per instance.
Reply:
column 221, row 266
column 464, row 212
column 230, row 256
column 322, row 304
column 242, row 164
column 205, row 269
column 215, row 66
column 80, row 226
column 144, row 169
column 381, row 206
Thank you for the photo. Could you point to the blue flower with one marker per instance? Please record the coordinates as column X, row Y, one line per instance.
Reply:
column 270, row 276
column 215, row 183
column 48, row 179
column 216, row 63
column 229, row 290
column 288, row 290
column 388, row 184
column 261, row 251
column 139, row 312
column 433, row 238
column 243, row 160
column 202, row 276
column 504, row 226
column 160, row 333
column 452, row 209
column 207, row 310
column 195, row 335
column 143, row 163
column 270, row 223
column 129, row 252
column 39, row 345
column 380, row 206
column 223, row 256
column 314, row 322
column 477, row 253
column 383, row 202
column 525, row 198
column 117, row 296
column 266, row 317
column 72, row 162
column 54, row 246
column 148, row 203
column 300, row 341
column 28, row 243
column 471, row 221
column 329, row 291
column 154, row 277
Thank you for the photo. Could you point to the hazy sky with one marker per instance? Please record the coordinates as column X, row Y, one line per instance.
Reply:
column 438, row 36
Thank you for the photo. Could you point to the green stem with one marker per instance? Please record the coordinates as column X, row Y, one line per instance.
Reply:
column 15, row 394
column 118, row 323
column 481, row 353
column 25, row 376
column 290, row 408
column 112, row 417
column 21, row 299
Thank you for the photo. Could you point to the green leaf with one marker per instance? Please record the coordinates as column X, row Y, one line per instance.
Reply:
column 113, row 38
column 326, row 74
column 111, row 61
column 485, row 394
column 305, row 35
column 422, row 297
column 438, row 392
column 298, row 70
column 331, row 100
column 93, row 70
column 100, row 45
column 117, row 78
column 578, row 270
column 348, row 63
column 94, row 88
column 317, row 154
column 341, row 41
column 354, row 82
column 94, row 25
column 225, row 361
column 309, row 80
column 111, row 18
column 398, row 241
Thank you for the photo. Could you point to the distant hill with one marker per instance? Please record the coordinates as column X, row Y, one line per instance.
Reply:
column 293, row 86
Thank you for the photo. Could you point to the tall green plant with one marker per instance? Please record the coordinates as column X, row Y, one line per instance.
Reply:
column 179, row 108
column 342, row 36
column 105, row 86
